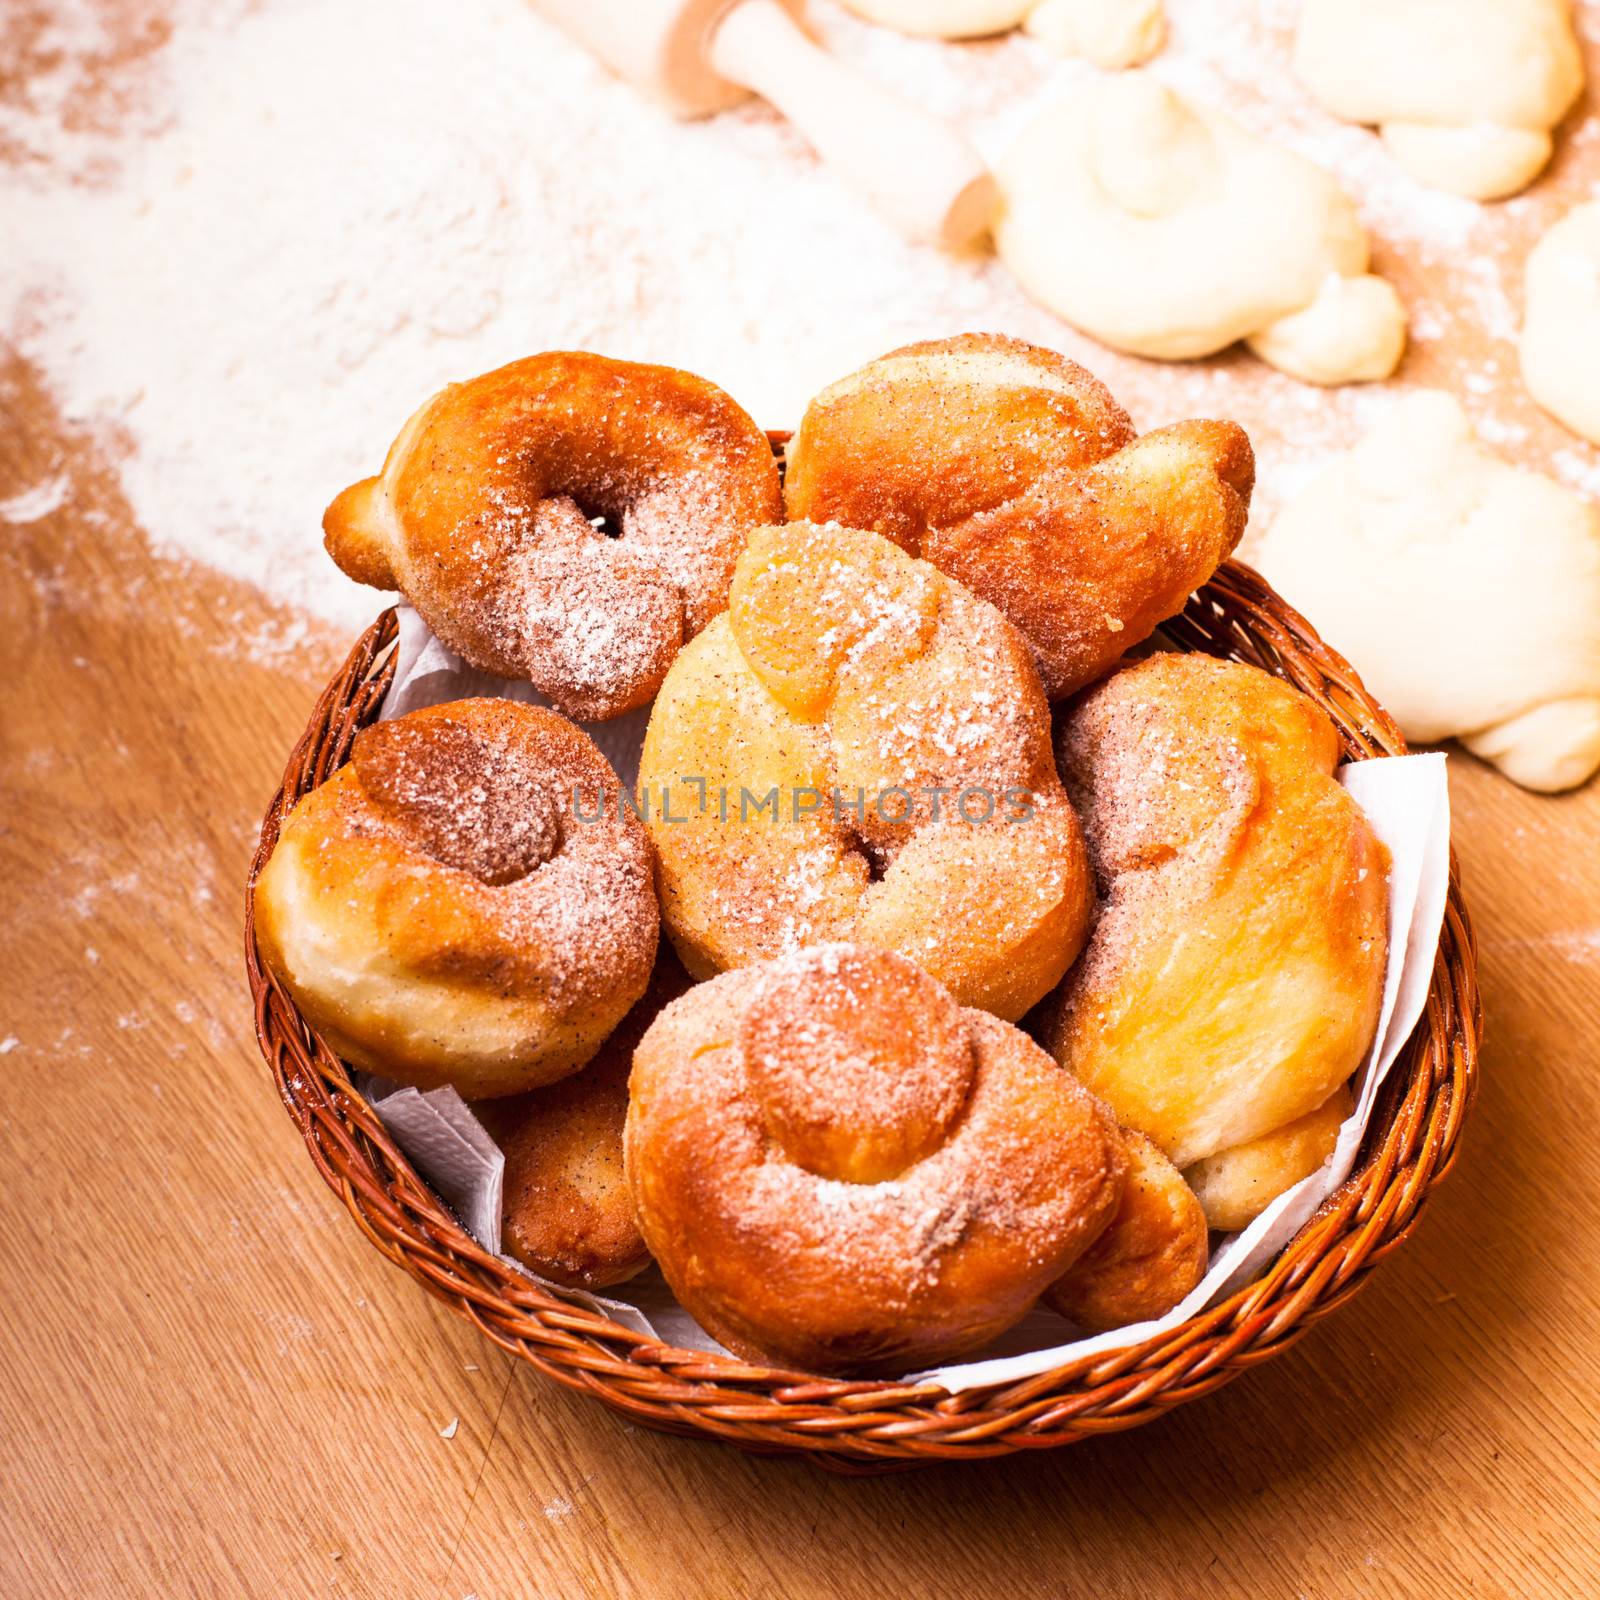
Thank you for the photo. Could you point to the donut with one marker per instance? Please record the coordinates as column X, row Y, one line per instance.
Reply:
column 567, row 1216
column 1014, row 471
column 484, row 517
column 1152, row 1253
column 1236, row 1185
column 443, row 910
column 860, row 750
column 840, row 1169
column 1234, row 976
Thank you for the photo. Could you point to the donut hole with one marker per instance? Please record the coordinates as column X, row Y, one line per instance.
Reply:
column 581, row 515
column 877, row 857
column 565, row 515
column 859, row 1062
column 458, row 797
column 592, row 622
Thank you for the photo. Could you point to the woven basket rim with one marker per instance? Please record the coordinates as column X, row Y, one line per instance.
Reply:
column 856, row 1425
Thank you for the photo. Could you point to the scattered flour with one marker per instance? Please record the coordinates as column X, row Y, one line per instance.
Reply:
column 35, row 503
column 248, row 254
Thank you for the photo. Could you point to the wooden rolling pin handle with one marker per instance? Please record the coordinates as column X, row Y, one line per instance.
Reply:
column 914, row 167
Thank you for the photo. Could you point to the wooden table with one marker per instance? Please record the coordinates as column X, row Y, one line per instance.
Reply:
column 212, row 1385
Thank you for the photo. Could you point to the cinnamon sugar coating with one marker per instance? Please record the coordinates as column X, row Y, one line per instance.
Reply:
column 1013, row 470
column 567, row 1215
column 443, row 913
column 1233, row 978
column 1009, row 1171
column 898, row 728
column 483, row 518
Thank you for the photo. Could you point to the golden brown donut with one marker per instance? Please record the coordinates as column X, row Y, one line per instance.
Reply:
column 1152, row 1253
column 1233, row 978
column 1012, row 469
column 840, row 1169
column 442, row 912
column 567, row 1213
column 1236, row 1185
column 846, row 668
column 481, row 517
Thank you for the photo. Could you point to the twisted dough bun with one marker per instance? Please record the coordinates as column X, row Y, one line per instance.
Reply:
column 1013, row 470
column 1560, row 347
column 1111, row 33
column 481, row 517
column 567, row 1213
column 1234, row 975
column 846, row 667
column 1152, row 1253
column 1466, row 590
column 840, row 1169
column 1465, row 93
column 440, row 913
column 1165, row 229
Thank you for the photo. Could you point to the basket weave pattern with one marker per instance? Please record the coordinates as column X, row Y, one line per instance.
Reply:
column 867, row 1426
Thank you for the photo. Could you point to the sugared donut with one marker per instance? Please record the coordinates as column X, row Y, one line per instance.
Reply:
column 443, row 912
column 567, row 1215
column 483, row 513
column 1012, row 469
column 1152, row 1253
column 1233, row 979
column 892, row 739
column 840, row 1169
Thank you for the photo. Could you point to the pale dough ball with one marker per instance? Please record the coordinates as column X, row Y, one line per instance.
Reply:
column 1464, row 590
column 1464, row 92
column 1353, row 332
column 1561, row 325
column 1165, row 229
column 1111, row 33
column 945, row 19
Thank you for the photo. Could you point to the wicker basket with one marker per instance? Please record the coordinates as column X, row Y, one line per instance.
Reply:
column 875, row 1426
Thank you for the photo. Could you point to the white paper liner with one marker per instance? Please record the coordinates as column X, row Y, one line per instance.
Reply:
column 1407, row 801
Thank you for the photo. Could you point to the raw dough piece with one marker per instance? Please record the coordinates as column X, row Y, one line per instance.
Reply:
column 1111, row 33
column 1464, row 92
column 945, row 19
column 1466, row 591
column 1561, row 327
column 1167, row 230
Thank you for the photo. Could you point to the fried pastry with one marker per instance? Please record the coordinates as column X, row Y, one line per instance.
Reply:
column 484, row 518
column 1234, row 974
column 441, row 913
column 1152, row 1253
column 1014, row 471
column 840, row 1169
column 860, row 750
column 1235, row 1185
column 567, row 1214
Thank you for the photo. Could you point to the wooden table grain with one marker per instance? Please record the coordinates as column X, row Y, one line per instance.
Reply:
column 212, row 1385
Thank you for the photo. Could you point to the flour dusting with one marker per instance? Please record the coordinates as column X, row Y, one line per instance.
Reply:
column 244, row 244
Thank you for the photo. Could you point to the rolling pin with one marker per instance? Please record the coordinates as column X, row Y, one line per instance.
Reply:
column 700, row 56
